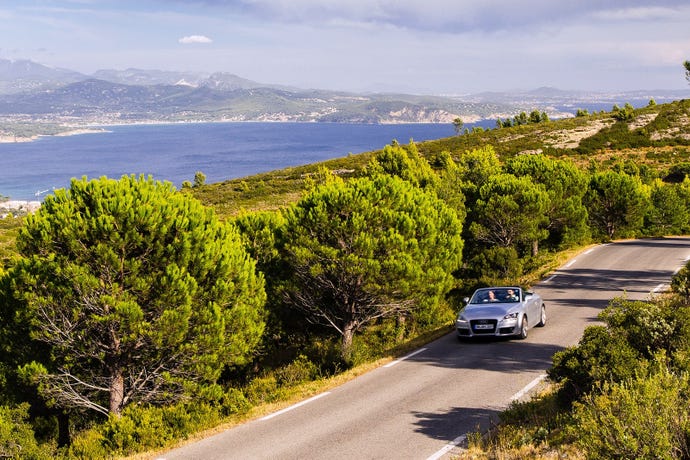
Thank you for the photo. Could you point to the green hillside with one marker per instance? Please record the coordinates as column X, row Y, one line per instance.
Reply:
column 655, row 137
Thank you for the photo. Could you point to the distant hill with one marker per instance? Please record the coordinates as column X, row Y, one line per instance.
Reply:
column 148, row 77
column 40, row 94
column 24, row 75
column 226, row 97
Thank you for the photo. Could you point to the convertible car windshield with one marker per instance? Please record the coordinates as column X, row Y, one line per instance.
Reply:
column 495, row 295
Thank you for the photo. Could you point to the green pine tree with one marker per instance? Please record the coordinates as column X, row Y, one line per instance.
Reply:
column 139, row 292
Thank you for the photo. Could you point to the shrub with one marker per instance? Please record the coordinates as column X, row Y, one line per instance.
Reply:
column 601, row 356
column 141, row 428
column 88, row 444
column 234, row 402
column 262, row 390
column 646, row 417
column 17, row 438
column 680, row 283
column 646, row 326
column 199, row 179
column 299, row 371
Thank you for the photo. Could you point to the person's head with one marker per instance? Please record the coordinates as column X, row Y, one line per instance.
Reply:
column 511, row 293
column 492, row 295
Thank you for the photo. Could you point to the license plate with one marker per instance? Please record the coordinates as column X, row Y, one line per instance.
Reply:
column 483, row 326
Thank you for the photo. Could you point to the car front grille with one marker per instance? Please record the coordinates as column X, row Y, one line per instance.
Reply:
column 483, row 326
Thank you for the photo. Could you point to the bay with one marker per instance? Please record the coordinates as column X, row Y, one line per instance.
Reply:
column 174, row 152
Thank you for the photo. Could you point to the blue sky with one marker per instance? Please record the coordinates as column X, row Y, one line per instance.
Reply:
column 415, row 46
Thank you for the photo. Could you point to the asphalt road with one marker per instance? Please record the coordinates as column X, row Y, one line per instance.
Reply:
column 423, row 405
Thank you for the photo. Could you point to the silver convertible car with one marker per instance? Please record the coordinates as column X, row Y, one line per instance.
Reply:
column 500, row 311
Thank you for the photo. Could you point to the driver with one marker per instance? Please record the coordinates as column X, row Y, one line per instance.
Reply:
column 511, row 296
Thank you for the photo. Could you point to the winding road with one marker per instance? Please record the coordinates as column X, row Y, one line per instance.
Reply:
column 423, row 405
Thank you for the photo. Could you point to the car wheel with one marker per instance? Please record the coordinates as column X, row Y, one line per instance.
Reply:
column 523, row 329
column 542, row 318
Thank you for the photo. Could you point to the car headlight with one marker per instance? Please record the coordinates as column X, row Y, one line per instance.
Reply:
column 461, row 321
column 511, row 315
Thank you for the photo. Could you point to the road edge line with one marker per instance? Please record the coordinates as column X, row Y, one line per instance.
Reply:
column 448, row 447
column 528, row 387
column 393, row 363
column 295, row 406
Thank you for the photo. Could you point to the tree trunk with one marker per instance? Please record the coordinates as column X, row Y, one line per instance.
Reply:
column 117, row 380
column 346, row 346
column 535, row 248
column 117, row 390
column 400, row 321
column 610, row 229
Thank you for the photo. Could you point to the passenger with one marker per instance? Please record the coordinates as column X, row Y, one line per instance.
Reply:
column 511, row 296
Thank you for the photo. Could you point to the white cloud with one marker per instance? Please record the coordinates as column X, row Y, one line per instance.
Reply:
column 194, row 39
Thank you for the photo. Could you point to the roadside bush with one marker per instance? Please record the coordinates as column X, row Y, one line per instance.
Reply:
column 601, row 356
column 324, row 351
column 144, row 428
column 680, row 283
column 88, row 444
column 646, row 417
column 634, row 334
column 535, row 419
column 300, row 370
column 235, row 402
column 17, row 438
column 364, row 349
column 646, row 326
column 535, row 429
column 263, row 390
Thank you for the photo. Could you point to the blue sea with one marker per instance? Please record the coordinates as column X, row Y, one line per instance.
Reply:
column 174, row 152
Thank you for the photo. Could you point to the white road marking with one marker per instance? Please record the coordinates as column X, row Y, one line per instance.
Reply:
column 393, row 363
column 528, row 387
column 448, row 447
column 295, row 406
column 549, row 278
column 570, row 263
column 659, row 288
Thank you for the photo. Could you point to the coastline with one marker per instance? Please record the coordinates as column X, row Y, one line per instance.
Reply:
column 98, row 128
column 5, row 139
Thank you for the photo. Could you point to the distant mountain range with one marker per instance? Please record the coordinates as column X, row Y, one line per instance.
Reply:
column 35, row 92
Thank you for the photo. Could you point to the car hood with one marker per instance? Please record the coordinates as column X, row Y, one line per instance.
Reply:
column 488, row 311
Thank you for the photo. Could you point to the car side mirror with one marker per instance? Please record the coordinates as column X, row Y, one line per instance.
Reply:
column 466, row 300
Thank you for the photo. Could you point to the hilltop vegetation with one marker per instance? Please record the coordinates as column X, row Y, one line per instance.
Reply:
column 336, row 249
column 656, row 139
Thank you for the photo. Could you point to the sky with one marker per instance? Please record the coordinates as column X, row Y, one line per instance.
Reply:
column 445, row 47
